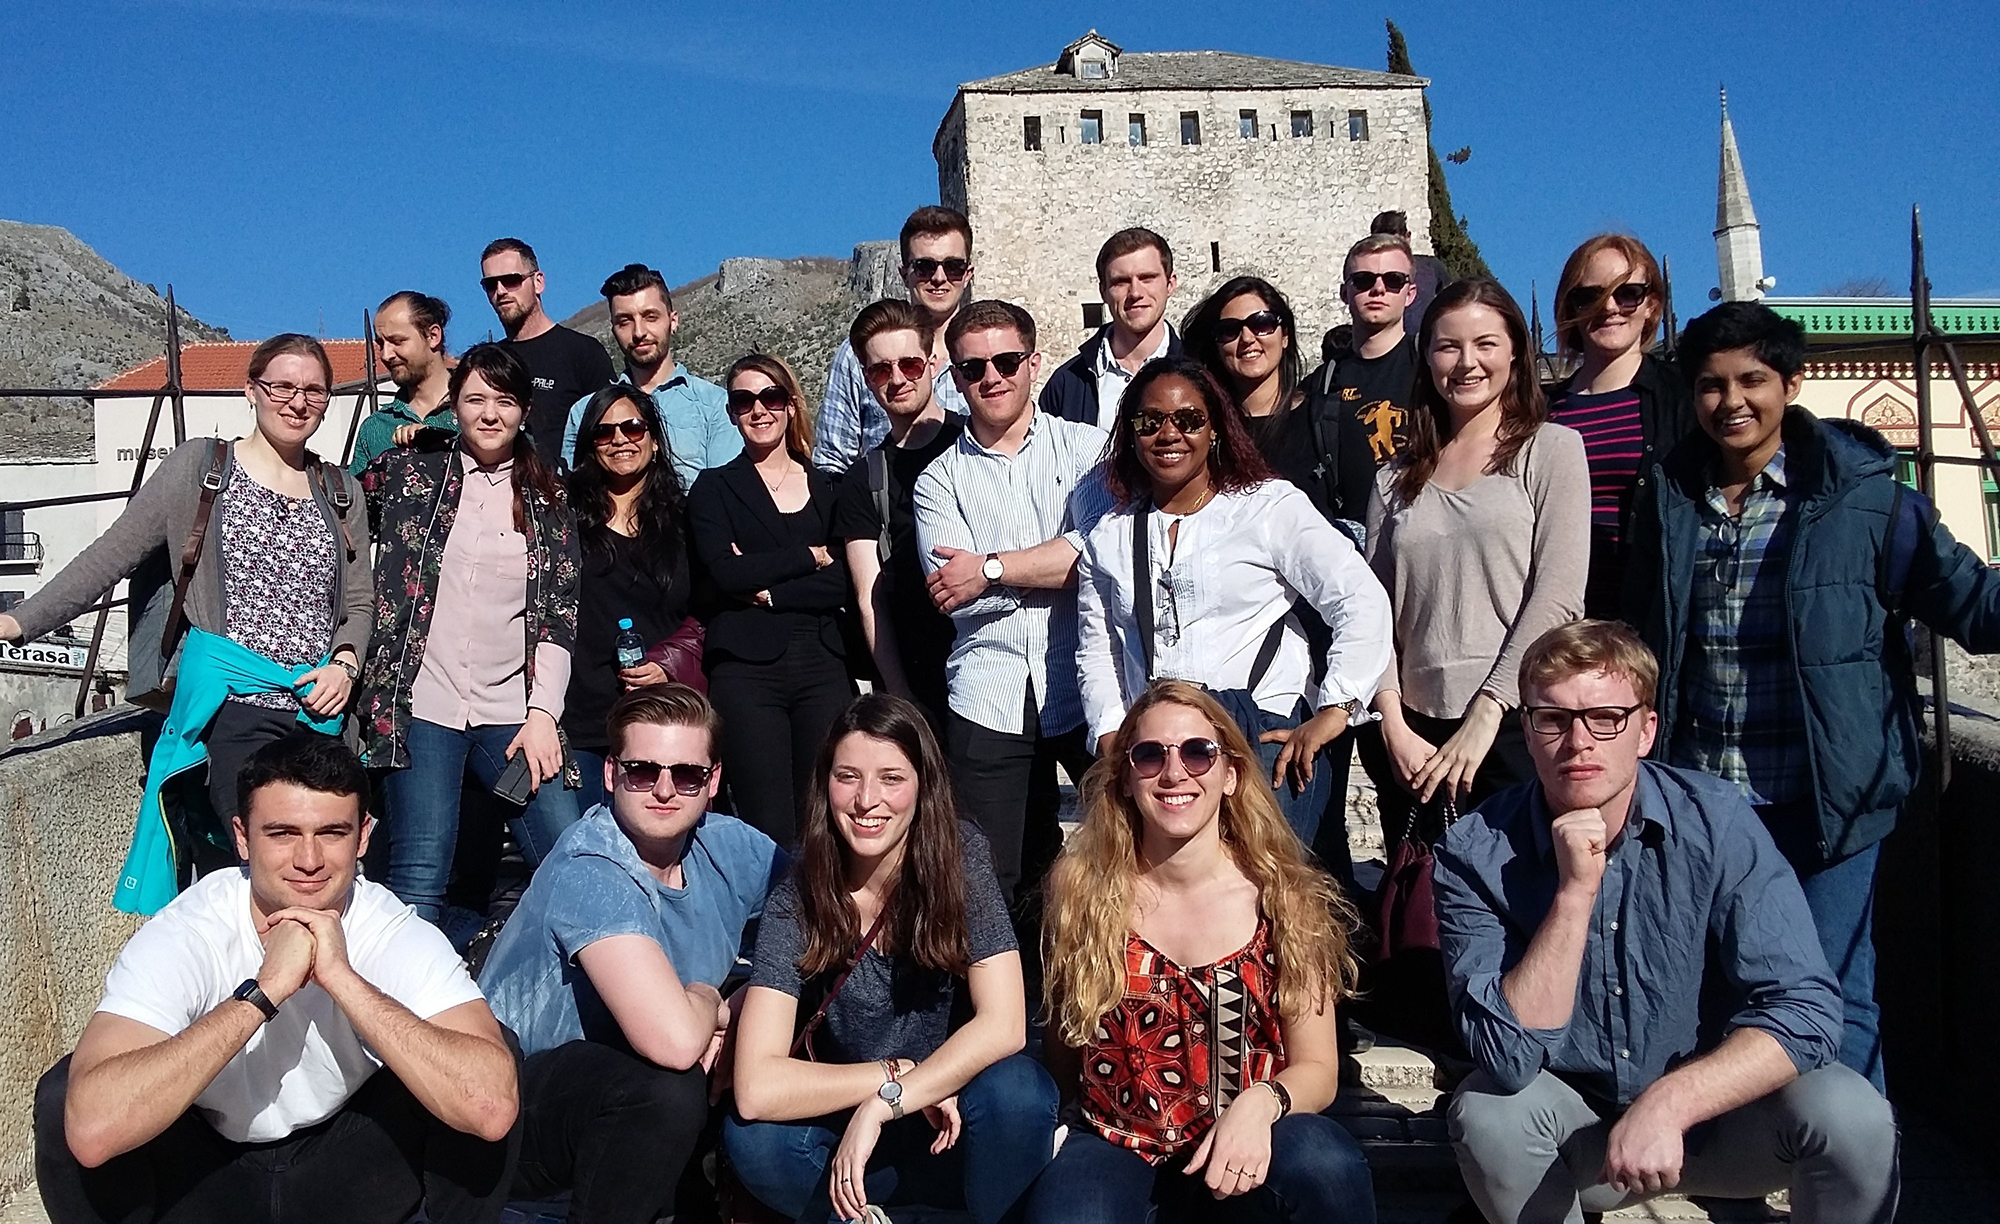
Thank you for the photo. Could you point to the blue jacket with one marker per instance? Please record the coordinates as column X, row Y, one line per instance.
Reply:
column 1071, row 392
column 1850, row 584
column 213, row 669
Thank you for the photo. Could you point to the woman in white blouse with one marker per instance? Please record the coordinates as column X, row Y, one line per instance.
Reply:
column 1194, row 577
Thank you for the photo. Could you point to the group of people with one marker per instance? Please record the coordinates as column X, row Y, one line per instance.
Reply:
column 1630, row 650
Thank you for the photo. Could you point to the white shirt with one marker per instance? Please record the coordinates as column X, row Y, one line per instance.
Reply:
column 300, row 1068
column 1240, row 563
column 1113, row 378
column 985, row 501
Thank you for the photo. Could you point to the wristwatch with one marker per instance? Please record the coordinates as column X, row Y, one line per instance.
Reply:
column 891, row 1093
column 353, row 672
column 253, row 994
column 1352, row 707
column 992, row 567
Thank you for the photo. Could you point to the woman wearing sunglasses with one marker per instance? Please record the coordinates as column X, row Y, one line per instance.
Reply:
column 775, row 651
column 878, row 1047
column 1194, row 576
column 1631, row 407
column 1194, row 962
column 1246, row 336
column 474, row 626
column 632, row 530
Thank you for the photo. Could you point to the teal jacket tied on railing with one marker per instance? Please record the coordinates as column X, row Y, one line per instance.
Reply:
column 213, row 669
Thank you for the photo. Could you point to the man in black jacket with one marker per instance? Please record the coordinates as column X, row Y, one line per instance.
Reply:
column 1135, row 277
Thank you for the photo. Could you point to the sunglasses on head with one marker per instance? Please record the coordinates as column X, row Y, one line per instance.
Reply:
column 774, row 398
column 1394, row 282
column 603, row 431
column 512, row 280
column 972, row 369
column 1198, row 756
column 879, row 372
column 1263, row 323
column 645, row 776
column 1146, row 422
column 1585, row 299
column 925, row 269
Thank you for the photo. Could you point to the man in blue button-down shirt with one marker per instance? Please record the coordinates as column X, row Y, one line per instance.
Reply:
column 1577, row 914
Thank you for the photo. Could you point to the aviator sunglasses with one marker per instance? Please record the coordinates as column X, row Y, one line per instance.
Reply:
column 1585, row 299
column 1362, row 282
column 1263, row 323
column 645, row 775
column 633, row 430
column 1198, row 756
column 774, row 398
column 879, row 372
column 972, row 369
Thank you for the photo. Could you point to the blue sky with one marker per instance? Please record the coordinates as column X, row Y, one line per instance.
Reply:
column 287, row 163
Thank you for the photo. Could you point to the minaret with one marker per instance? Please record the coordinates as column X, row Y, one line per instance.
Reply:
column 1739, row 247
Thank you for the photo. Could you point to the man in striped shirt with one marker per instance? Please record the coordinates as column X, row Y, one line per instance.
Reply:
column 1000, row 520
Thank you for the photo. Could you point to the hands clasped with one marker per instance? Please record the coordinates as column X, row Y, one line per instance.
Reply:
column 300, row 946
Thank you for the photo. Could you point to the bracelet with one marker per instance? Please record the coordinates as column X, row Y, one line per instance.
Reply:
column 895, row 1075
column 1283, row 1094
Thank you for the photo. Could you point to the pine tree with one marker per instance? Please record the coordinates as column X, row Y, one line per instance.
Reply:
column 1449, row 241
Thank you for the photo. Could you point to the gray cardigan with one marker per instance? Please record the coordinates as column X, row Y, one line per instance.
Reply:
column 162, row 513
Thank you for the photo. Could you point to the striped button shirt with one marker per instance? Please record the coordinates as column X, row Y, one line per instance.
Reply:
column 851, row 421
column 985, row 501
column 1741, row 716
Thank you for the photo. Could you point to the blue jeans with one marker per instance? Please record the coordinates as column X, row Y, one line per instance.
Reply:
column 1842, row 899
column 1009, row 1116
column 422, row 806
column 1317, row 1173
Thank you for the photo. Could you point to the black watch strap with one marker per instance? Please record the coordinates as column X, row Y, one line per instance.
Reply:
column 254, row 995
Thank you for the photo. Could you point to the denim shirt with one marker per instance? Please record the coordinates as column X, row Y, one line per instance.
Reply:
column 1694, row 878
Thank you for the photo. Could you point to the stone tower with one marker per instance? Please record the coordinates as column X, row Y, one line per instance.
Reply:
column 1739, row 245
column 1243, row 164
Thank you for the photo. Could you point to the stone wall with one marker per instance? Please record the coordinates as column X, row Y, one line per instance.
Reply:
column 1282, row 207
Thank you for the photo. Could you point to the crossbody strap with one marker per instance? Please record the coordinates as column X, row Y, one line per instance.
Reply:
column 1142, row 582
column 878, row 488
column 853, row 963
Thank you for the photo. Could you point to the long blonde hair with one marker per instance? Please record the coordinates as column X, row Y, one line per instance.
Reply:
column 1090, row 888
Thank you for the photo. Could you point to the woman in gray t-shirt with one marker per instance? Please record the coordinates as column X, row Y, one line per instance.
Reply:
column 900, row 1079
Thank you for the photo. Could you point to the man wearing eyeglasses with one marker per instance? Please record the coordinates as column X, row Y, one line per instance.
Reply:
column 936, row 246
column 1578, row 914
column 566, row 364
column 693, row 412
column 610, row 968
column 1001, row 518
column 1135, row 277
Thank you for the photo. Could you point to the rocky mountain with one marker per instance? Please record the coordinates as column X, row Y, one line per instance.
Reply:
column 68, row 318
column 798, row 309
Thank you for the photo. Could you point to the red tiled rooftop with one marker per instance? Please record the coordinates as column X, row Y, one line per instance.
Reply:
column 225, row 366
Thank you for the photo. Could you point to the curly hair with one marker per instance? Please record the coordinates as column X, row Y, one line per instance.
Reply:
column 1234, row 462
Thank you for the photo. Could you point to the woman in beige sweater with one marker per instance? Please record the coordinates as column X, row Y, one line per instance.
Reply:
column 1480, row 530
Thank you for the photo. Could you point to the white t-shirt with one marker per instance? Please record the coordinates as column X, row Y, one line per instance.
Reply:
column 301, row 1067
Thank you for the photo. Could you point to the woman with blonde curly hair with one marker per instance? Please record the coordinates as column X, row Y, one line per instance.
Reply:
column 1193, row 960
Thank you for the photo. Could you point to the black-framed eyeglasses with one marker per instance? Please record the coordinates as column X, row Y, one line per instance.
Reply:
column 1146, row 422
column 1603, row 722
column 1262, row 323
column 284, row 393
column 1588, row 299
column 633, row 429
column 1362, row 281
column 510, row 280
column 1198, row 756
column 954, row 269
column 688, row 779
column 879, row 372
column 774, row 398
column 972, row 369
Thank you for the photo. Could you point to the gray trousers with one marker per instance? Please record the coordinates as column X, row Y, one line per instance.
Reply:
column 1535, row 1156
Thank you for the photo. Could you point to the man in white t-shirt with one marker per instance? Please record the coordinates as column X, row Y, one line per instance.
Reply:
column 285, row 1040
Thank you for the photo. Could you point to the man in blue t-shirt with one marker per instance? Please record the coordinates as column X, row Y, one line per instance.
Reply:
column 608, row 971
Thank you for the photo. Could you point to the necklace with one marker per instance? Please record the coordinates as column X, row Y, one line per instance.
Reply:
column 773, row 488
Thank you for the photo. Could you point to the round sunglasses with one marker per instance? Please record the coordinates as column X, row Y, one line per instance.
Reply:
column 637, row 776
column 1198, row 756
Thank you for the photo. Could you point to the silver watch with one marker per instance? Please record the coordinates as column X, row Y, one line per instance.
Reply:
column 891, row 1093
column 992, row 567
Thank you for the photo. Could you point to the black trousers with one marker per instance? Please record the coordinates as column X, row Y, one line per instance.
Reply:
column 1007, row 785
column 238, row 731
column 1507, row 764
column 774, row 716
column 375, row 1162
column 614, row 1130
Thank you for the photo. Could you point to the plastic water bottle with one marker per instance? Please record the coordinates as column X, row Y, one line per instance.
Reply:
column 631, row 647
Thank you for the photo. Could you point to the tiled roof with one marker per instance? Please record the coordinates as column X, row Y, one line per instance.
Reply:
column 225, row 366
column 1859, row 316
column 1193, row 70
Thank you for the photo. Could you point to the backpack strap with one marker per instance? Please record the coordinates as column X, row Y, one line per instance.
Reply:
column 878, row 489
column 1142, row 581
column 1323, row 424
column 1267, row 653
column 1909, row 516
column 211, row 487
column 334, row 489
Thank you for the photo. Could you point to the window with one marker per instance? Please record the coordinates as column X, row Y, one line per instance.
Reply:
column 1093, row 315
column 1031, row 133
column 10, row 600
column 1190, row 127
column 1215, row 257
column 1135, row 131
column 1357, row 125
column 1991, row 497
column 1091, row 129
column 1906, row 469
column 1094, row 70
column 1246, row 124
column 1302, row 123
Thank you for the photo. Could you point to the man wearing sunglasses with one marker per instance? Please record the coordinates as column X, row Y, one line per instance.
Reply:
column 1431, row 274
column 936, row 246
column 1578, row 915
column 1135, row 277
column 610, row 968
column 693, row 413
column 1001, row 518
column 565, row 363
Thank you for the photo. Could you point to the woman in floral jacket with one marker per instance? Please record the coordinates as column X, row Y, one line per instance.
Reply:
column 476, row 593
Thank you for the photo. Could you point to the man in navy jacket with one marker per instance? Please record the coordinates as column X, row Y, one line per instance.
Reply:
column 1135, row 277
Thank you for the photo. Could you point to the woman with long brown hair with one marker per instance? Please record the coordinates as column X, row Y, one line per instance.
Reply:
column 1194, row 958
column 891, row 922
column 775, row 650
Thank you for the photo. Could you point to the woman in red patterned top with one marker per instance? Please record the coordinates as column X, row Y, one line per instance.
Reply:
column 1193, row 959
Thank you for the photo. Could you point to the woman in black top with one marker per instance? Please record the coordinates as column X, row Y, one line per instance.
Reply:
column 775, row 653
column 632, row 525
column 1246, row 335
